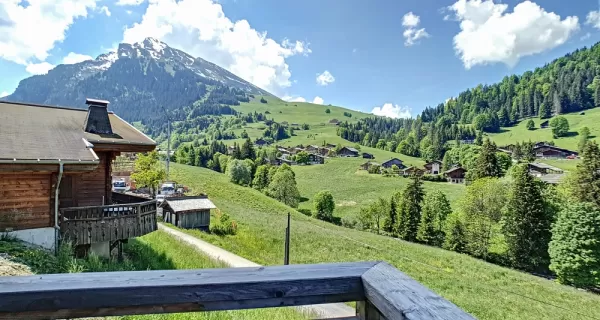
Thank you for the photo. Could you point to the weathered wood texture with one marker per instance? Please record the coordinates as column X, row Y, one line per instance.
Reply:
column 145, row 292
column 120, row 198
column 25, row 201
column 397, row 296
column 94, row 188
column 86, row 225
column 188, row 220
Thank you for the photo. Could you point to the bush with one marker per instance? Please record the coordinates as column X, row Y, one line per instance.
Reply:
column 263, row 100
column 305, row 126
column 305, row 212
column 327, row 110
column 347, row 114
column 434, row 177
column 224, row 226
column 349, row 222
column 560, row 126
column 324, row 206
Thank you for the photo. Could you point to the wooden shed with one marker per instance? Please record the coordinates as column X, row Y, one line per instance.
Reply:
column 188, row 212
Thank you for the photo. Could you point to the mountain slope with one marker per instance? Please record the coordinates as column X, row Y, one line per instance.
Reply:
column 139, row 80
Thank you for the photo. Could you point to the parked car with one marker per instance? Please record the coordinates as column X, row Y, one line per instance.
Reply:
column 120, row 186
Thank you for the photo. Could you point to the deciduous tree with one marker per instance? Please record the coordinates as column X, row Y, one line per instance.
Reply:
column 433, row 216
column 324, row 205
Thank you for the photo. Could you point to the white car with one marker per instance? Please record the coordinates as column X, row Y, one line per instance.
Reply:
column 119, row 186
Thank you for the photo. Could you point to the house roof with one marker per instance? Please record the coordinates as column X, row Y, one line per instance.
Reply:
column 552, row 178
column 32, row 132
column 183, row 204
column 434, row 161
column 413, row 168
column 455, row 169
column 393, row 159
column 547, row 146
column 541, row 165
column 350, row 149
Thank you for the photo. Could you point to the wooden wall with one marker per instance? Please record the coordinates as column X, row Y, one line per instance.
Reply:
column 91, row 188
column 25, row 200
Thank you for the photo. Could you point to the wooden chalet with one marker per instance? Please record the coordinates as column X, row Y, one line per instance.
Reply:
column 55, row 176
column 348, row 152
column 331, row 145
column 433, row 167
column 547, row 151
column 544, row 124
column 312, row 148
column 394, row 161
column 334, row 122
column 324, row 151
column 412, row 171
column 366, row 155
column 188, row 212
column 314, row 158
column 456, row 175
column 539, row 169
column 368, row 165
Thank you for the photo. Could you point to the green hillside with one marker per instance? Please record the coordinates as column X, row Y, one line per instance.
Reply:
column 485, row 290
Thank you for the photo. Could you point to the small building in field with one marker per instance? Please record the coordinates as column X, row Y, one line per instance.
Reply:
column 467, row 141
column 546, row 151
column 413, row 171
column 334, row 122
column 188, row 212
column 314, row 158
column 394, row 161
column 366, row 155
column 552, row 178
column 368, row 165
column 433, row 167
column 539, row 169
column 312, row 148
column 544, row 124
column 283, row 160
column 456, row 175
column 283, row 150
column 260, row 142
column 324, row 151
column 348, row 152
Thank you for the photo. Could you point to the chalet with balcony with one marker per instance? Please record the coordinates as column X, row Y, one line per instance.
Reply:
column 394, row 161
column 433, row 167
column 348, row 152
column 546, row 151
column 456, row 175
column 314, row 158
column 368, row 165
column 55, row 176
column 412, row 171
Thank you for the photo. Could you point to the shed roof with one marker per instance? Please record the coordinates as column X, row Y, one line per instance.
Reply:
column 552, row 178
column 350, row 149
column 541, row 165
column 183, row 204
column 32, row 132
column 455, row 169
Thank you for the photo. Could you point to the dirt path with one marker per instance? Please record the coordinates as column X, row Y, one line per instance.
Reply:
column 329, row 310
column 10, row 268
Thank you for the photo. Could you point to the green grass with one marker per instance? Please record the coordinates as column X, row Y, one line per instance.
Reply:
column 154, row 251
column 353, row 188
column 483, row 289
column 519, row 133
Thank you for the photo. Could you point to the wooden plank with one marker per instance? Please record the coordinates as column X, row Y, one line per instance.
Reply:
column 397, row 296
column 144, row 292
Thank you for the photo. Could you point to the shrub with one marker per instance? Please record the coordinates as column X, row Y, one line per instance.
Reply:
column 224, row 226
column 349, row 222
column 324, row 206
column 263, row 100
column 327, row 110
column 433, row 177
column 560, row 126
column 305, row 212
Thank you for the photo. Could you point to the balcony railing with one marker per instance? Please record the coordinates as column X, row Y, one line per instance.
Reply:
column 381, row 291
column 87, row 225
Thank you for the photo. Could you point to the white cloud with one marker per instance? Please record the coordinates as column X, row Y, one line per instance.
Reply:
column 318, row 100
column 392, row 111
column 128, row 12
column 73, row 58
column 39, row 68
column 410, row 20
column 354, row 50
column 411, row 34
column 28, row 33
column 593, row 19
column 201, row 28
column 105, row 10
column 325, row 78
column 130, row 2
column 293, row 99
column 585, row 36
column 489, row 34
column 4, row 94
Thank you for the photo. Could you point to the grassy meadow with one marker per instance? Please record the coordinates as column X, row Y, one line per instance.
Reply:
column 483, row 289
column 154, row 251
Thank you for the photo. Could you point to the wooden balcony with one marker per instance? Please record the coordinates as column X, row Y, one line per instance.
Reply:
column 111, row 223
column 381, row 291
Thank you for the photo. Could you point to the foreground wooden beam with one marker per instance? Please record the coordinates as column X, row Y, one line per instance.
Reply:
column 383, row 292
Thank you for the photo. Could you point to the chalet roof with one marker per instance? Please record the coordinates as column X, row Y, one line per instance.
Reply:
column 541, row 165
column 455, row 169
column 371, row 163
column 413, row 168
column 183, row 204
column 350, row 149
column 393, row 159
column 552, row 178
column 547, row 146
column 32, row 132
column 434, row 161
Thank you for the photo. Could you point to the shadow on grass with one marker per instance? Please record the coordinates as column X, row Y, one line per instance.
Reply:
column 142, row 256
column 303, row 199
column 571, row 134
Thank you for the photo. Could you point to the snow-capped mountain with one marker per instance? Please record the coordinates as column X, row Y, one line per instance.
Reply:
column 137, row 79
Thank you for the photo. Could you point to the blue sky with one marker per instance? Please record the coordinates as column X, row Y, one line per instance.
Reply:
column 392, row 57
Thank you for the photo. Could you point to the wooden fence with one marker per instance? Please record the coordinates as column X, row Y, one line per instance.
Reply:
column 87, row 225
column 381, row 291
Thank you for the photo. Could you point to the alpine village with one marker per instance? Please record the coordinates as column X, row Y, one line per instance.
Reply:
column 148, row 183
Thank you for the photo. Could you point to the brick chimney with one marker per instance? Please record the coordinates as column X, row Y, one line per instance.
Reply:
column 97, row 120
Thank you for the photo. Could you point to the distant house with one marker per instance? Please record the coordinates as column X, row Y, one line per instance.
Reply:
column 188, row 212
column 544, row 124
column 296, row 150
column 507, row 151
column 230, row 150
column 394, row 161
column 433, row 167
column 331, row 145
column 283, row 150
column 366, row 155
column 260, row 142
column 334, row 122
column 348, row 152
column 467, row 141
column 324, row 151
column 368, row 165
column 410, row 171
column 284, row 123
column 456, row 175
column 295, row 124
column 314, row 158
column 312, row 148
column 281, row 161
column 552, row 178
column 539, row 169
column 548, row 152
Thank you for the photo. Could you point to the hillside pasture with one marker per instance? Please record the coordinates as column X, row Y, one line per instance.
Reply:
column 483, row 289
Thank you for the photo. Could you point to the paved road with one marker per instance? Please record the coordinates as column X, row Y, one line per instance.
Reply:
column 329, row 310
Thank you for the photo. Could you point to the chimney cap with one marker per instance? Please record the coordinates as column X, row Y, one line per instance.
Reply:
column 96, row 102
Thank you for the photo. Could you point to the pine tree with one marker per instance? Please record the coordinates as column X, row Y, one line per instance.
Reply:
column 588, row 175
column 597, row 95
column 545, row 111
column 247, row 151
column 487, row 163
column 526, row 224
column 446, row 162
column 409, row 214
column 575, row 246
column 389, row 224
column 517, row 152
column 455, row 232
column 558, row 108
column 433, row 216
column 584, row 135
column 479, row 138
column 261, row 178
column 191, row 158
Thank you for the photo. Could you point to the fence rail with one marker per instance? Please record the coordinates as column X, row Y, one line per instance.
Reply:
column 382, row 292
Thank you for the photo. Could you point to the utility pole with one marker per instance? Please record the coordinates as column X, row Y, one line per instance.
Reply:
column 168, row 145
column 286, row 259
